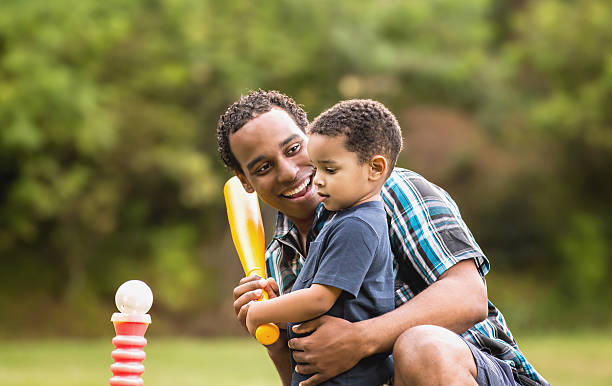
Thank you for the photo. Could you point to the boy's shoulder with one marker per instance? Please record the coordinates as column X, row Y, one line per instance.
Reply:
column 366, row 209
column 369, row 215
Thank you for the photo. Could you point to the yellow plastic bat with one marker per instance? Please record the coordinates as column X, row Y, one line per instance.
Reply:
column 248, row 234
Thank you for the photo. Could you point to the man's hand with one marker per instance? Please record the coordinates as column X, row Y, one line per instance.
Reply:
column 250, row 288
column 333, row 348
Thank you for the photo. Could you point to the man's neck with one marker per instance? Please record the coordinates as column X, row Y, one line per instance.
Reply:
column 302, row 225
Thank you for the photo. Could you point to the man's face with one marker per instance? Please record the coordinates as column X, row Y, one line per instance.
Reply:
column 341, row 180
column 271, row 150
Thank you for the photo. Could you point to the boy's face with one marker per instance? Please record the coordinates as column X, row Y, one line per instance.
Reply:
column 271, row 150
column 341, row 180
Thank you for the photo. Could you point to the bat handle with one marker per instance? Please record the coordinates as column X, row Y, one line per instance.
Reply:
column 267, row 333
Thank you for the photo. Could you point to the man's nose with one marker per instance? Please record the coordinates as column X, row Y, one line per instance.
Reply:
column 287, row 171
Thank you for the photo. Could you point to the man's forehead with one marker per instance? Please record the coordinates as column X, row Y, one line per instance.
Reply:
column 275, row 113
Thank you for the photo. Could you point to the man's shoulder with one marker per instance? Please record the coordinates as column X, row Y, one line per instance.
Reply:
column 401, row 178
column 405, row 186
column 403, row 173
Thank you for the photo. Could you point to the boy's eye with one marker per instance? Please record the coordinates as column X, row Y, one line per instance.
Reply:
column 330, row 170
column 293, row 149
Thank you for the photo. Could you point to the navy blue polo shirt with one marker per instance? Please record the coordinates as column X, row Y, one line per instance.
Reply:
column 352, row 253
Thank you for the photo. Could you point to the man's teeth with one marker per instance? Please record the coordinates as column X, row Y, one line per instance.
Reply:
column 298, row 189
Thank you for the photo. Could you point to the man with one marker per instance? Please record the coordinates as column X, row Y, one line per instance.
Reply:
column 439, row 268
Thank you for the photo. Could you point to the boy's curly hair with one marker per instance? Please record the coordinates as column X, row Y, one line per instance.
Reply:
column 370, row 128
column 248, row 107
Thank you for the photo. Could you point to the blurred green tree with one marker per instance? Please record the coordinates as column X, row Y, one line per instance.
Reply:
column 108, row 163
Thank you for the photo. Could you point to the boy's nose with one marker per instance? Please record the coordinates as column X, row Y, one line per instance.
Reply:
column 318, row 181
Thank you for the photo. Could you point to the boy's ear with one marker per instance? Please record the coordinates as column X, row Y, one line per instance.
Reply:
column 245, row 183
column 378, row 167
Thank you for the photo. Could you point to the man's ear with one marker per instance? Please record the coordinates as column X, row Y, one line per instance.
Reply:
column 379, row 166
column 245, row 183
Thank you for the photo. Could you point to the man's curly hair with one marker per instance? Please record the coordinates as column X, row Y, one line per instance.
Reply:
column 370, row 128
column 248, row 107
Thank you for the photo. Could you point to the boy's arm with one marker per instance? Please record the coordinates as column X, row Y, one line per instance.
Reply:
column 296, row 306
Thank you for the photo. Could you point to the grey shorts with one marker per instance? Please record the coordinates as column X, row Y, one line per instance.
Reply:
column 491, row 371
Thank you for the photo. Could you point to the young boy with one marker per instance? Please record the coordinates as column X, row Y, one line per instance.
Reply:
column 348, row 272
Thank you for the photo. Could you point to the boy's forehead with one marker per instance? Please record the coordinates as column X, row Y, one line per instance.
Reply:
column 326, row 144
column 330, row 140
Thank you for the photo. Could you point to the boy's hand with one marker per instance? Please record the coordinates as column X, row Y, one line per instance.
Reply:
column 251, row 323
column 249, row 288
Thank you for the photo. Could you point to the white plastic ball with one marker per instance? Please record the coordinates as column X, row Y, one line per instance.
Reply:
column 134, row 297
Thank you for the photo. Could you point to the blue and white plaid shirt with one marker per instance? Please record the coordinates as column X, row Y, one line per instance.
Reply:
column 427, row 237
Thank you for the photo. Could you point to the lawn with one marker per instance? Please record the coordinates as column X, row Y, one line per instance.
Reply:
column 576, row 359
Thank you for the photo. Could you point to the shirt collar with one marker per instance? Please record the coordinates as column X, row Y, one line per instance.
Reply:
column 284, row 226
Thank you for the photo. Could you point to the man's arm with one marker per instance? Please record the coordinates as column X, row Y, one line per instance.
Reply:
column 456, row 301
column 248, row 289
column 303, row 304
column 279, row 353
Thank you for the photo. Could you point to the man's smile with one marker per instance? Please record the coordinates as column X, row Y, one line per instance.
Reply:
column 299, row 190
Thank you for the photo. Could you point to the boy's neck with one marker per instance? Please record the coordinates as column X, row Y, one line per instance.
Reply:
column 373, row 195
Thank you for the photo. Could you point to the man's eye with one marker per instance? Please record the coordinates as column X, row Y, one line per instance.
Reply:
column 293, row 149
column 330, row 170
column 262, row 169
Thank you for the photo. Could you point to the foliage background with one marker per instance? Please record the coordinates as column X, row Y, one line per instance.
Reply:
column 109, row 170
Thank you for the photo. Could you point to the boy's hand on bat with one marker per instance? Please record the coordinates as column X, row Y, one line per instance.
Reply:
column 250, row 288
column 251, row 323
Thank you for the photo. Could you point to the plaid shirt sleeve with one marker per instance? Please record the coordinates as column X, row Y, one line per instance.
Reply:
column 426, row 232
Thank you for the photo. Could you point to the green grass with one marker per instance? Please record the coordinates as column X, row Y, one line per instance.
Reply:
column 185, row 362
column 564, row 359
column 571, row 359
